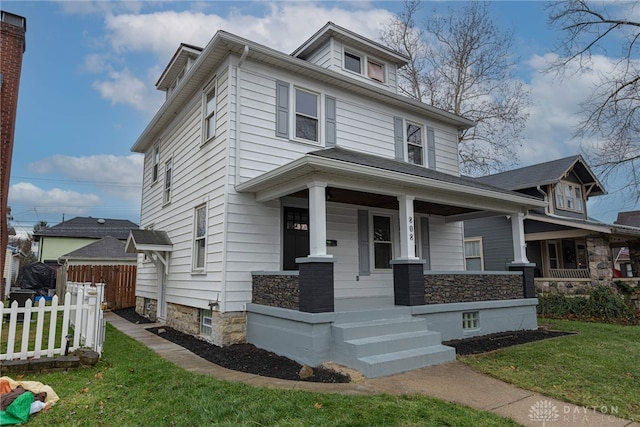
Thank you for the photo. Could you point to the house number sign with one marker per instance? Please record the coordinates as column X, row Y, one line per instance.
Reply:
column 411, row 229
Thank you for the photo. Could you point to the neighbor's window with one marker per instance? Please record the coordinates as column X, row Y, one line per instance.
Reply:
column 206, row 323
column 382, row 246
column 168, row 170
column 470, row 320
column 306, row 115
column 156, row 162
column 375, row 71
column 352, row 62
column 415, row 151
column 569, row 197
column 473, row 254
column 210, row 114
column 200, row 238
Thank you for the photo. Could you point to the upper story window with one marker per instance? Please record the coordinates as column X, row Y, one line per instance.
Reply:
column 168, row 171
column 307, row 107
column 156, row 162
column 363, row 65
column 569, row 197
column 209, row 114
column 415, row 146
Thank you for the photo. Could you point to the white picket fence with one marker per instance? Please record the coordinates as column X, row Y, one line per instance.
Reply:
column 82, row 323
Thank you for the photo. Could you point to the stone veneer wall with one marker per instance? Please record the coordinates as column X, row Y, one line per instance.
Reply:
column 183, row 318
column 600, row 259
column 276, row 290
column 452, row 288
column 147, row 307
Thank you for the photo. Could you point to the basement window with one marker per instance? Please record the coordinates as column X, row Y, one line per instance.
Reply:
column 470, row 320
column 206, row 323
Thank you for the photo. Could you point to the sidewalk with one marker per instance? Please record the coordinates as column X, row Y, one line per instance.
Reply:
column 453, row 381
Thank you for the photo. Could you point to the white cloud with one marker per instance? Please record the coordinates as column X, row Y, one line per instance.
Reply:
column 54, row 200
column 283, row 27
column 118, row 176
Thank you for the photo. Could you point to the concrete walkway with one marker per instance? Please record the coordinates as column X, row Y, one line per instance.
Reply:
column 453, row 382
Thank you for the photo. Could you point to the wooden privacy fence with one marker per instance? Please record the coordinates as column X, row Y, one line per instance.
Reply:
column 82, row 324
column 119, row 280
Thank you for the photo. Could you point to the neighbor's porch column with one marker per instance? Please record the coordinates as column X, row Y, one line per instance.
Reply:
column 520, row 260
column 407, row 228
column 317, row 219
column 519, row 244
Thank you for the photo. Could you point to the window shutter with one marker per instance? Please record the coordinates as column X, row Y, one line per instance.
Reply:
column 424, row 242
column 398, row 137
column 330, row 120
column 282, row 109
column 363, row 243
column 431, row 148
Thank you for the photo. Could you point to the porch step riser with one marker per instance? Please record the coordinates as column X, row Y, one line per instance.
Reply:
column 373, row 314
column 394, row 363
column 390, row 343
column 351, row 331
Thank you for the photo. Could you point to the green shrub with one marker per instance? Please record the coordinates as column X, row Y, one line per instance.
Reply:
column 601, row 304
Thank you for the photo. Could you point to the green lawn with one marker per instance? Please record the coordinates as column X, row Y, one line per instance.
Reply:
column 599, row 366
column 132, row 386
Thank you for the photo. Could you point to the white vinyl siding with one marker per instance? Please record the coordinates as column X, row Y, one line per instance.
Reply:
column 447, row 249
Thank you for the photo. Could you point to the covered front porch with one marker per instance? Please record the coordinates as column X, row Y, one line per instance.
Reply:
column 380, row 281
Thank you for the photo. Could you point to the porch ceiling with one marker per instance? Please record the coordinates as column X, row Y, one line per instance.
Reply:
column 368, row 180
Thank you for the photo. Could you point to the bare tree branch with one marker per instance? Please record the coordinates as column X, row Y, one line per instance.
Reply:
column 463, row 64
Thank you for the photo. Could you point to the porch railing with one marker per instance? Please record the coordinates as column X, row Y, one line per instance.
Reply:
column 569, row 273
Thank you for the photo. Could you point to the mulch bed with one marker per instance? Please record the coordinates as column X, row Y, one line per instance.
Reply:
column 250, row 359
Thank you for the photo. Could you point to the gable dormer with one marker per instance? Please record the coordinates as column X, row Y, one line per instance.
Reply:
column 182, row 60
column 346, row 52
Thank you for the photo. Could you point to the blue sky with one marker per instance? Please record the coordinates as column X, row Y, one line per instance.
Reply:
column 87, row 89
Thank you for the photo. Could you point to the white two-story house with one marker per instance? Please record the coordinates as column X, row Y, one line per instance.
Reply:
column 288, row 195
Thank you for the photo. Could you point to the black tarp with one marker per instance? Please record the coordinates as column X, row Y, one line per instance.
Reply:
column 37, row 277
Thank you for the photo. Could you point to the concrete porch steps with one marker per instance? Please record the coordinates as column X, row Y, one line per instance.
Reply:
column 388, row 346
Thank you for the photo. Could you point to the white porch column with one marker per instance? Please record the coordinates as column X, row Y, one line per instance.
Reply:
column 407, row 228
column 317, row 219
column 519, row 244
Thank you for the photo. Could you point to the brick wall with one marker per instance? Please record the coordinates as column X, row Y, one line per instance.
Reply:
column 12, row 46
column 282, row 291
column 452, row 288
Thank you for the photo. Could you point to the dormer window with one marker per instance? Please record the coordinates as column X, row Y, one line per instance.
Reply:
column 363, row 65
column 569, row 197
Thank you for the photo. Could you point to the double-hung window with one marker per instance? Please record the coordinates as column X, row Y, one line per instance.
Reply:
column 209, row 116
column 415, row 146
column 168, row 172
column 200, row 237
column 156, row 162
column 473, row 254
column 307, row 115
column 382, row 243
column 569, row 197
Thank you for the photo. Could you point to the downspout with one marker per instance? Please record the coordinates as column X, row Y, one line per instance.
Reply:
column 546, row 198
column 221, row 298
column 245, row 52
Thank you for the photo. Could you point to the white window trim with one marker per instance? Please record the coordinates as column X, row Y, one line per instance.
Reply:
column 194, row 258
column 213, row 86
column 423, row 137
column 155, row 163
column 364, row 65
column 294, row 113
column 167, row 199
column 561, row 194
column 395, row 243
column 481, row 250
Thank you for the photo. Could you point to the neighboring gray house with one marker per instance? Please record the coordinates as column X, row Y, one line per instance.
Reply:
column 300, row 203
column 622, row 256
column 571, row 251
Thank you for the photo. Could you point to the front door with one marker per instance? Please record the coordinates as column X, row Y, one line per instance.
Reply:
column 296, row 236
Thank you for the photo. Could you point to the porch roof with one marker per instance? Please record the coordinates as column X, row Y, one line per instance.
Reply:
column 619, row 235
column 353, row 171
column 148, row 240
